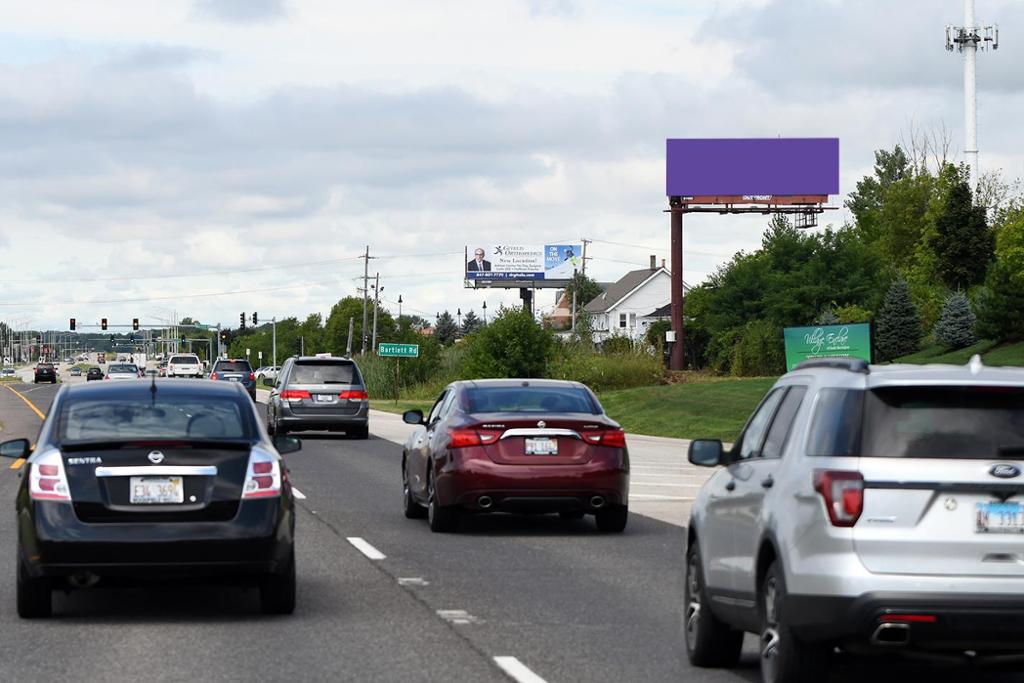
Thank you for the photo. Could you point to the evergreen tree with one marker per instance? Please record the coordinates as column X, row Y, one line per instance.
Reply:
column 963, row 243
column 471, row 323
column 1001, row 303
column 446, row 330
column 898, row 331
column 955, row 327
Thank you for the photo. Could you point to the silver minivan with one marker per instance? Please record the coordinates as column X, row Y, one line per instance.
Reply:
column 867, row 509
column 318, row 393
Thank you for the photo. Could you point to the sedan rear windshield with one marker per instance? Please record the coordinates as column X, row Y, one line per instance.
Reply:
column 920, row 422
column 530, row 399
column 233, row 366
column 185, row 359
column 324, row 372
column 163, row 418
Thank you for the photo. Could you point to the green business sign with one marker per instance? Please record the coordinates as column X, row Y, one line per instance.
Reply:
column 827, row 341
column 399, row 350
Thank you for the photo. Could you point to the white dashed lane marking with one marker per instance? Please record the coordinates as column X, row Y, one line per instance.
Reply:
column 517, row 670
column 298, row 494
column 459, row 617
column 365, row 548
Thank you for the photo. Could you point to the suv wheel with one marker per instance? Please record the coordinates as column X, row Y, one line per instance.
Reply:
column 784, row 657
column 442, row 518
column 709, row 641
column 410, row 507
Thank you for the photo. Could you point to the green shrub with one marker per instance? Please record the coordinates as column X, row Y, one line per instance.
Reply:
column 759, row 351
column 607, row 371
column 617, row 343
column 512, row 345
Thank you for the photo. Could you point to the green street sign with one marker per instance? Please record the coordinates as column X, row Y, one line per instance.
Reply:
column 201, row 326
column 399, row 350
column 827, row 341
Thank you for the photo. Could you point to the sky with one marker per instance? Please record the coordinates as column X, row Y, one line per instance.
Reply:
column 207, row 157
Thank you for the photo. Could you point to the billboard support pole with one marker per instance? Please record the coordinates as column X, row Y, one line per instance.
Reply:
column 676, row 212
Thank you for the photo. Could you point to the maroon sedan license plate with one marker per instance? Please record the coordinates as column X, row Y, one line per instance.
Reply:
column 541, row 447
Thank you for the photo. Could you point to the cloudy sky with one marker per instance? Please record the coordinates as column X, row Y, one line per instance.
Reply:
column 216, row 156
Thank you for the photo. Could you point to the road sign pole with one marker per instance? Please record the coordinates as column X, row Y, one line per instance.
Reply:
column 398, row 379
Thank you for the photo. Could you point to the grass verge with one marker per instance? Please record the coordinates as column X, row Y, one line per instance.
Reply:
column 991, row 354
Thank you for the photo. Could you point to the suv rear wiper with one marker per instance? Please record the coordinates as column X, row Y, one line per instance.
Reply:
column 334, row 381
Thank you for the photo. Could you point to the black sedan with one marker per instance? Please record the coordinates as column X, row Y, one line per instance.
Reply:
column 93, row 373
column 153, row 480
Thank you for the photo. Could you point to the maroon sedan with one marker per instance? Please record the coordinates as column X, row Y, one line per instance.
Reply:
column 503, row 445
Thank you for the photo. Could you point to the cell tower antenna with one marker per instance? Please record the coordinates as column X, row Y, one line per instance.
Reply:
column 968, row 39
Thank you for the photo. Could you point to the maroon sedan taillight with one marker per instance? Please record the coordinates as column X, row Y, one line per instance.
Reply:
column 461, row 438
column 613, row 438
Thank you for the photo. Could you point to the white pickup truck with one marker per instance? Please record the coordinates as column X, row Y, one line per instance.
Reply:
column 184, row 365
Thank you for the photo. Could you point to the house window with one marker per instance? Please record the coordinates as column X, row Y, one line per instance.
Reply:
column 623, row 320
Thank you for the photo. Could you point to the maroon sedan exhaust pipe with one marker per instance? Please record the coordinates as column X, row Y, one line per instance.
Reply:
column 597, row 502
column 484, row 502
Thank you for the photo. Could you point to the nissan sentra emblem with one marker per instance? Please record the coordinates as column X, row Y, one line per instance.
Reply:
column 1004, row 471
column 156, row 457
column 542, row 424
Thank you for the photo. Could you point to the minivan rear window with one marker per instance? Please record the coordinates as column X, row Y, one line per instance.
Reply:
column 982, row 422
column 324, row 372
column 167, row 417
column 184, row 359
column 530, row 399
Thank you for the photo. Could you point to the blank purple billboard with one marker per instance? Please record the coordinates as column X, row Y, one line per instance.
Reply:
column 752, row 166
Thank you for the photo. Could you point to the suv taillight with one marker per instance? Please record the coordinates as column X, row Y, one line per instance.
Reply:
column 843, row 492
column 354, row 395
column 252, row 376
column 294, row 394
column 213, row 375
column 263, row 479
column 47, row 480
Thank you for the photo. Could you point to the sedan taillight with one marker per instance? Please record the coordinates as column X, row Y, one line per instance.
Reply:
column 263, row 480
column 462, row 438
column 613, row 438
column 843, row 492
column 47, row 480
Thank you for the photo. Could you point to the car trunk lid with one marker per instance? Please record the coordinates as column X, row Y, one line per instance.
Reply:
column 511, row 439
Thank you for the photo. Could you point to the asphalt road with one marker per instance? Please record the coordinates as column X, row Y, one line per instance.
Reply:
column 567, row 603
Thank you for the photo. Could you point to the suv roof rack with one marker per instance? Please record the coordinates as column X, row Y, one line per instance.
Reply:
column 837, row 363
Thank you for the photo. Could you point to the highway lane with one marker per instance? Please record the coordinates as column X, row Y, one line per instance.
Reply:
column 568, row 603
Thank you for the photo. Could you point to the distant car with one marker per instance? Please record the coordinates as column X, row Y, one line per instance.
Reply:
column 8, row 372
column 161, row 369
column 184, row 365
column 75, row 372
column 68, row 360
column 93, row 373
column 127, row 482
column 240, row 371
column 319, row 393
column 122, row 371
column 514, row 445
column 45, row 372
column 267, row 372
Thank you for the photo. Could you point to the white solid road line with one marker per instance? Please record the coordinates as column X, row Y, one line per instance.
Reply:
column 365, row 548
column 298, row 494
column 517, row 670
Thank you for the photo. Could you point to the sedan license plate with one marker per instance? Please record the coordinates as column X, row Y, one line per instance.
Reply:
column 1000, row 518
column 156, row 490
column 541, row 447
column 325, row 398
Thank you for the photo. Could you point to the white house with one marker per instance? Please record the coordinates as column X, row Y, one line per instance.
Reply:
column 626, row 306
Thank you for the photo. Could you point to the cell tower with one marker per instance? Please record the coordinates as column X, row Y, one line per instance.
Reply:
column 968, row 39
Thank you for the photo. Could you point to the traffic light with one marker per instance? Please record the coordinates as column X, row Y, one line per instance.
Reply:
column 241, row 321
column 103, row 323
column 255, row 319
column 111, row 339
column 183, row 340
column 135, row 323
column 72, row 324
column 223, row 335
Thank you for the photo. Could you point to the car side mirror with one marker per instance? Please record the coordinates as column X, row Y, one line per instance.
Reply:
column 706, row 452
column 267, row 382
column 287, row 444
column 413, row 417
column 15, row 448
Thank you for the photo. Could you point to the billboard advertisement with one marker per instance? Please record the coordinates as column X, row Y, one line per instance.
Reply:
column 852, row 340
column 754, row 168
column 536, row 263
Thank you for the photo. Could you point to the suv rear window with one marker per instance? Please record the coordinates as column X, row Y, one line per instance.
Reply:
column 920, row 422
column 232, row 366
column 529, row 400
column 324, row 372
column 184, row 359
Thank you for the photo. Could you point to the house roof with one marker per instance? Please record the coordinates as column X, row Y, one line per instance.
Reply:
column 663, row 312
column 617, row 291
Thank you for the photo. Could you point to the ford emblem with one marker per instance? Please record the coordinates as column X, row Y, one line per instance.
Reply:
column 1004, row 471
column 156, row 457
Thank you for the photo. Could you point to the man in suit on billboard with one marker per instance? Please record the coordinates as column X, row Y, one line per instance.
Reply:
column 478, row 264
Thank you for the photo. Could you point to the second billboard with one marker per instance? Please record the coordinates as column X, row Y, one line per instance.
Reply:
column 502, row 264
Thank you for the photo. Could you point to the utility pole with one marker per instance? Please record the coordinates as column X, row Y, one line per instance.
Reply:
column 366, row 296
column 584, row 258
column 376, row 300
column 273, row 342
column 348, row 345
column 968, row 39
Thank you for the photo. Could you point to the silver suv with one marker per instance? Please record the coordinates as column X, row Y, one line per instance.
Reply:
column 865, row 508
